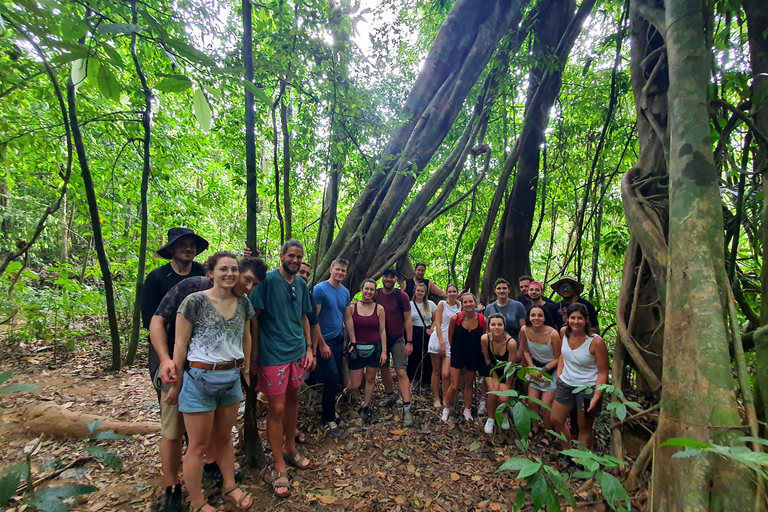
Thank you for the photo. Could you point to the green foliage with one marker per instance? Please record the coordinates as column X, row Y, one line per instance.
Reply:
column 756, row 461
column 619, row 405
column 613, row 491
column 542, row 482
column 108, row 457
column 50, row 499
column 11, row 479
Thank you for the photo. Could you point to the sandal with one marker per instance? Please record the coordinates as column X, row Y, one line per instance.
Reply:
column 227, row 494
column 277, row 475
column 201, row 507
column 296, row 460
column 300, row 437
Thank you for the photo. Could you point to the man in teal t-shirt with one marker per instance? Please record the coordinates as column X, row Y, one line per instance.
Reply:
column 284, row 354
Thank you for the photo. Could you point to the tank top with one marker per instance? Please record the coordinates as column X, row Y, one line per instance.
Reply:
column 366, row 327
column 445, row 320
column 540, row 352
column 504, row 358
column 465, row 337
column 579, row 366
column 410, row 286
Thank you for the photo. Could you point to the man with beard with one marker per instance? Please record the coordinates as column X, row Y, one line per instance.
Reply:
column 283, row 350
column 536, row 298
column 570, row 290
column 399, row 329
column 409, row 285
column 162, row 331
column 524, row 281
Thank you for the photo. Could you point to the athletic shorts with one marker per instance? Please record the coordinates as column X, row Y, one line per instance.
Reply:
column 372, row 361
column 192, row 400
column 399, row 361
column 465, row 356
column 434, row 345
column 579, row 401
column 171, row 420
column 275, row 380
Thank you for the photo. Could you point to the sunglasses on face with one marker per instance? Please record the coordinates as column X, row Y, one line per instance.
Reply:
column 566, row 287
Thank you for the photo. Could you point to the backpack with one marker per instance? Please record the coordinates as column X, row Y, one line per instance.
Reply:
column 460, row 316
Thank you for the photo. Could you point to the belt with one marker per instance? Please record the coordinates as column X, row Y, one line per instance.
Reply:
column 217, row 366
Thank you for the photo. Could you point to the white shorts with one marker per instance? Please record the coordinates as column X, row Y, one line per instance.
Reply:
column 434, row 345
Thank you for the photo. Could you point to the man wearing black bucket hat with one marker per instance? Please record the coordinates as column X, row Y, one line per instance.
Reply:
column 182, row 247
column 570, row 290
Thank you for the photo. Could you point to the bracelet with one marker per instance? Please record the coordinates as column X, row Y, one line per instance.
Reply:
column 309, row 345
column 409, row 342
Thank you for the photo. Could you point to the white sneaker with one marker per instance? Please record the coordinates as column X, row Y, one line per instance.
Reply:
column 446, row 413
column 482, row 409
column 468, row 415
column 505, row 424
column 489, row 423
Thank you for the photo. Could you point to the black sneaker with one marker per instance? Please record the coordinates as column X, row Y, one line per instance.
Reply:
column 212, row 474
column 365, row 413
column 331, row 429
column 171, row 501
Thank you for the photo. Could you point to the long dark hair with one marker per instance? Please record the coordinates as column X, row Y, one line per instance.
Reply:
column 580, row 308
column 543, row 310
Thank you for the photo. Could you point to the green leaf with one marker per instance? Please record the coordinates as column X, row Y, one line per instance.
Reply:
column 688, row 452
column 79, row 71
column 258, row 93
column 551, row 503
column 507, row 392
column 93, row 425
column 538, row 485
column 516, row 464
column 108, row 84
column 176, row 83
column 745, row 439
column 612, row 490
column 113, row 55
column 72, row 29
column 191, row 53
column 109, row 457
column 109, row 435
column 620, row 408
column 529, row 470
column 519, row 499
column 118, row 28
column 18, row 388
column 538, row 402
column 474, row 446
column 11, row 479
column 6, row 376
column 202, row 110
column 560, row 482
column 685, row 442
column 2, row 27
column 49, row 500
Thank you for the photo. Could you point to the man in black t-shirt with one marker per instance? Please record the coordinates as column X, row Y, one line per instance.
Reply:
column 182, row 247
column 570, row 290
column 409, row 285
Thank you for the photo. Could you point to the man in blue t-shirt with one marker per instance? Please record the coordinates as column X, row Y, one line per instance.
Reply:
column 331, row 298
column 282, row 347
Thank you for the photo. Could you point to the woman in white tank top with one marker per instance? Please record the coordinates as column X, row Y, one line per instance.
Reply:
column 439, row 348
column 541, row 348
column 583, row 362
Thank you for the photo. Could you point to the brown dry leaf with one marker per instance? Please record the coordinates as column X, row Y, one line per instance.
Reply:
column 397, row 432
column 455, row 477
column 326, row 500
column 494, row 506
column 399, row 500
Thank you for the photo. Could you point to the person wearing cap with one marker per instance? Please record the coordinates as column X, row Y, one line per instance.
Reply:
column 399, row 329
column 181, row 248
column 570, row 290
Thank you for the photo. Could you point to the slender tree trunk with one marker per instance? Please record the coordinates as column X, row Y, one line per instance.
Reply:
column 64, row 231
column 284, row 107
column 146, row 122
column 698, row 401
column 98, row 240
column 251, row 173
column 275, row 161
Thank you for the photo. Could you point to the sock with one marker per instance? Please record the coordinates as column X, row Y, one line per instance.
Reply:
column 210, row 466
column 169, row 490
column 177, row 490
column 406, row 406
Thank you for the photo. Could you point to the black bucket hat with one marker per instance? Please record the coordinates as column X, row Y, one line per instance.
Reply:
column 176, row 233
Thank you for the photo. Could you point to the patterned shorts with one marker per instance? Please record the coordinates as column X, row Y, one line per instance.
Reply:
column 274, row 380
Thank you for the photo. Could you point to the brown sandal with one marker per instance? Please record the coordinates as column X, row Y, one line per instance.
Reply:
column 227, row 494
column 296, row 459
column 275, row 476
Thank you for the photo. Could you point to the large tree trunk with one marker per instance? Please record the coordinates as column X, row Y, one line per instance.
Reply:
column 251, row 173
column 459, row 54
column 146, row 122
column 757, row 28
column 698, row 401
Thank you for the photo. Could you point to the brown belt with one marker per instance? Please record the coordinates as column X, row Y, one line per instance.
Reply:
column 217, row 366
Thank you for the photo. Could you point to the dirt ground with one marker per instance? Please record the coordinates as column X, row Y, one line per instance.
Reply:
column 379, row 467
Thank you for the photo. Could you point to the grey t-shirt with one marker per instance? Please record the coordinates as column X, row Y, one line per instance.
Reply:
column 215, row 339
column 513, row 312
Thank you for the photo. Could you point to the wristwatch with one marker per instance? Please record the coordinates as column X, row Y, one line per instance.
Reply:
column 309, row 345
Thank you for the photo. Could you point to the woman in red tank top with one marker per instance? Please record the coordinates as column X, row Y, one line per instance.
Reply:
column 368, row 343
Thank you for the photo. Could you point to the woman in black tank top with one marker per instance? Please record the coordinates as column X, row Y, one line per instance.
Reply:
column 497, row 347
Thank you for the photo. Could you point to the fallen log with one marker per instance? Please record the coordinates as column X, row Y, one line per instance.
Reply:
column 57, row 421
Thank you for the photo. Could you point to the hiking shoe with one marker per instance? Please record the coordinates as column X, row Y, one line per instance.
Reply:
column 171, row 501
column 505, row 424
column 331, row 429
column 365, row 413
column 407, row 418
column 489, row 424
column 446, row 413
column 212, row 473
column 468, row 415
column 388, row 401
column 482, row 409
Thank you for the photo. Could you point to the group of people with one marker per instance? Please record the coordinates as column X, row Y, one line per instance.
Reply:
column 217, row 327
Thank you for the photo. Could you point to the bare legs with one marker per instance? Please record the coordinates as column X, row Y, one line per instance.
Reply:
column 469, row 379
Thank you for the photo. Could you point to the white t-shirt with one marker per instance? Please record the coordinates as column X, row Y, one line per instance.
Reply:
column 427, row 317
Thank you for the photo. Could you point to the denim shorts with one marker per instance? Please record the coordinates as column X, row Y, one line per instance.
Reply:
column 192, row 400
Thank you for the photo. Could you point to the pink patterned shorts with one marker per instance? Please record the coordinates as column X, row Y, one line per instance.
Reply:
column 274, row 380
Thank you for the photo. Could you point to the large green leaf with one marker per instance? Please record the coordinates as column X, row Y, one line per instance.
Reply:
column 5, row 376
column 108, row 457
column 72, row 29
column 119, row 28
column 108, row 84
column 539, row 488
column 94, row 424
column 10, row 480
column 79, row 71
column 685, row 442
column 50, row 499
column 258, row 93
column 176, row 83
column 202, row 110
column 516, row 464
column 18, row 388
column 109, row 435
column 613, row 490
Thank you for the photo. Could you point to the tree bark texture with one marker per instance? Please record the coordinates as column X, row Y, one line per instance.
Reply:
column 288, row 209
column 98, row 240
column 251, row 173
column 697, row 400
column 146, row 123
column 459, row 54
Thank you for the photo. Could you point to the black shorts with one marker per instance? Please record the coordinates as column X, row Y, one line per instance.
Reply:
column 580, row 401
column 372, row 361
column 466, row 356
